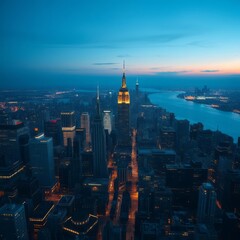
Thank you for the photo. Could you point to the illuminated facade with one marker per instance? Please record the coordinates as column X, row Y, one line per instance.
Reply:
column 123, row 113
column 68, row 127
column 107, row 120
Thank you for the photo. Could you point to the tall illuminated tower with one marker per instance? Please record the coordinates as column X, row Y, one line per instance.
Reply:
column 99, row 145
column 123, row 113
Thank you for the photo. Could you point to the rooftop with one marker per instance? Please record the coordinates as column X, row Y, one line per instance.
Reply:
column 80, row 228
column 155, row 151
column 66, row 200
column 208, row 186
column 42, row 211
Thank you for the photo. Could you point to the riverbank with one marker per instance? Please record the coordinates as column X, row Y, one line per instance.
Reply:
column 226, row 103
column 213, row 119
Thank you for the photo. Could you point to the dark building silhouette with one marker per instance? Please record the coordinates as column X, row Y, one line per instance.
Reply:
column 167, row 138
column 53, row 128
column 87, row 164
column 99, row 145
column 231, row 228
column 206, row 204
column 14, row 142
column 13, row 223
column 85, row 124
column 41, row 160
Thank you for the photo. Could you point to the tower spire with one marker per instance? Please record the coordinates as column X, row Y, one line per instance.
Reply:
column 98, row 104
column 124, row 85
column 98, row 92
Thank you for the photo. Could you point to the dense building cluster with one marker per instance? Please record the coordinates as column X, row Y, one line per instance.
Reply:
column 78, row 166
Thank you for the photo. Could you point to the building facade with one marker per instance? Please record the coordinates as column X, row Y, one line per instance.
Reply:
column 123, row 116
column 41, row 160
column 99, row 145
column 206, row 204
column 13, row 223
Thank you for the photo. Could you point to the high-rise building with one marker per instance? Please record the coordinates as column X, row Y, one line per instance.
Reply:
column 122, row 170
column 87, row 164
column 99, row 145
column 68, row 127
column 137, row 89
column 167, row 138
column 41, row 160
column 53, row 128
column 13, row 223
column 183, row 133
column 111, row 231
column 85, row 123
column 136, row 109
column 206, row 204
column 14, row 143
column 107, row 120
column 123, row 113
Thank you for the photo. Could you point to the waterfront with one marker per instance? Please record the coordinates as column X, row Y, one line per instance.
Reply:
column 213, row 119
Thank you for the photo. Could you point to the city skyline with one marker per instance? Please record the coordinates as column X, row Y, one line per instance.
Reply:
column 152, row 175
column 58, row 42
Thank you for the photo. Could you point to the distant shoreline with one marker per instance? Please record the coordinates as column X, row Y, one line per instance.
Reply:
column 210, row 103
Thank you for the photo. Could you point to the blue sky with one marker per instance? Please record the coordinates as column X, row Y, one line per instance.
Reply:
column 162, row 38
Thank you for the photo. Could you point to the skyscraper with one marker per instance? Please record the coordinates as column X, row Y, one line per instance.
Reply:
column 53, row 128
column 85, row 123
column 41, row 160
column 68, row 126
column 13, row 223
column 99, row 145
column 123, row 113
column 107, row 120
column 137, row 88
column 14, row 142
column 206, row 204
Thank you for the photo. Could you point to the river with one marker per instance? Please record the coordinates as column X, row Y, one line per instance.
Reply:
column 213, row 119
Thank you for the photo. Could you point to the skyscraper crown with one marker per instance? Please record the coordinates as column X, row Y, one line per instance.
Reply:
column 123, row 94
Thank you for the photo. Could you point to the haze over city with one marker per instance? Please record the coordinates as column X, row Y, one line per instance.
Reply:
column 66, row 43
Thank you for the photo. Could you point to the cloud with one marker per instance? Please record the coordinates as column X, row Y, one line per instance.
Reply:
column 158, row 38
column 210, row 71
column 104, row 63
column 159, row 68
column 116, row 69
column 123, row 56
column 171, row 73
column 200, row 44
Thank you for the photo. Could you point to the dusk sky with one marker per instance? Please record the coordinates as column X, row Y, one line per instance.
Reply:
column 91, row 38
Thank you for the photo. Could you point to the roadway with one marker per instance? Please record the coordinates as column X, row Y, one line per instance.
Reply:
column 130, row 228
